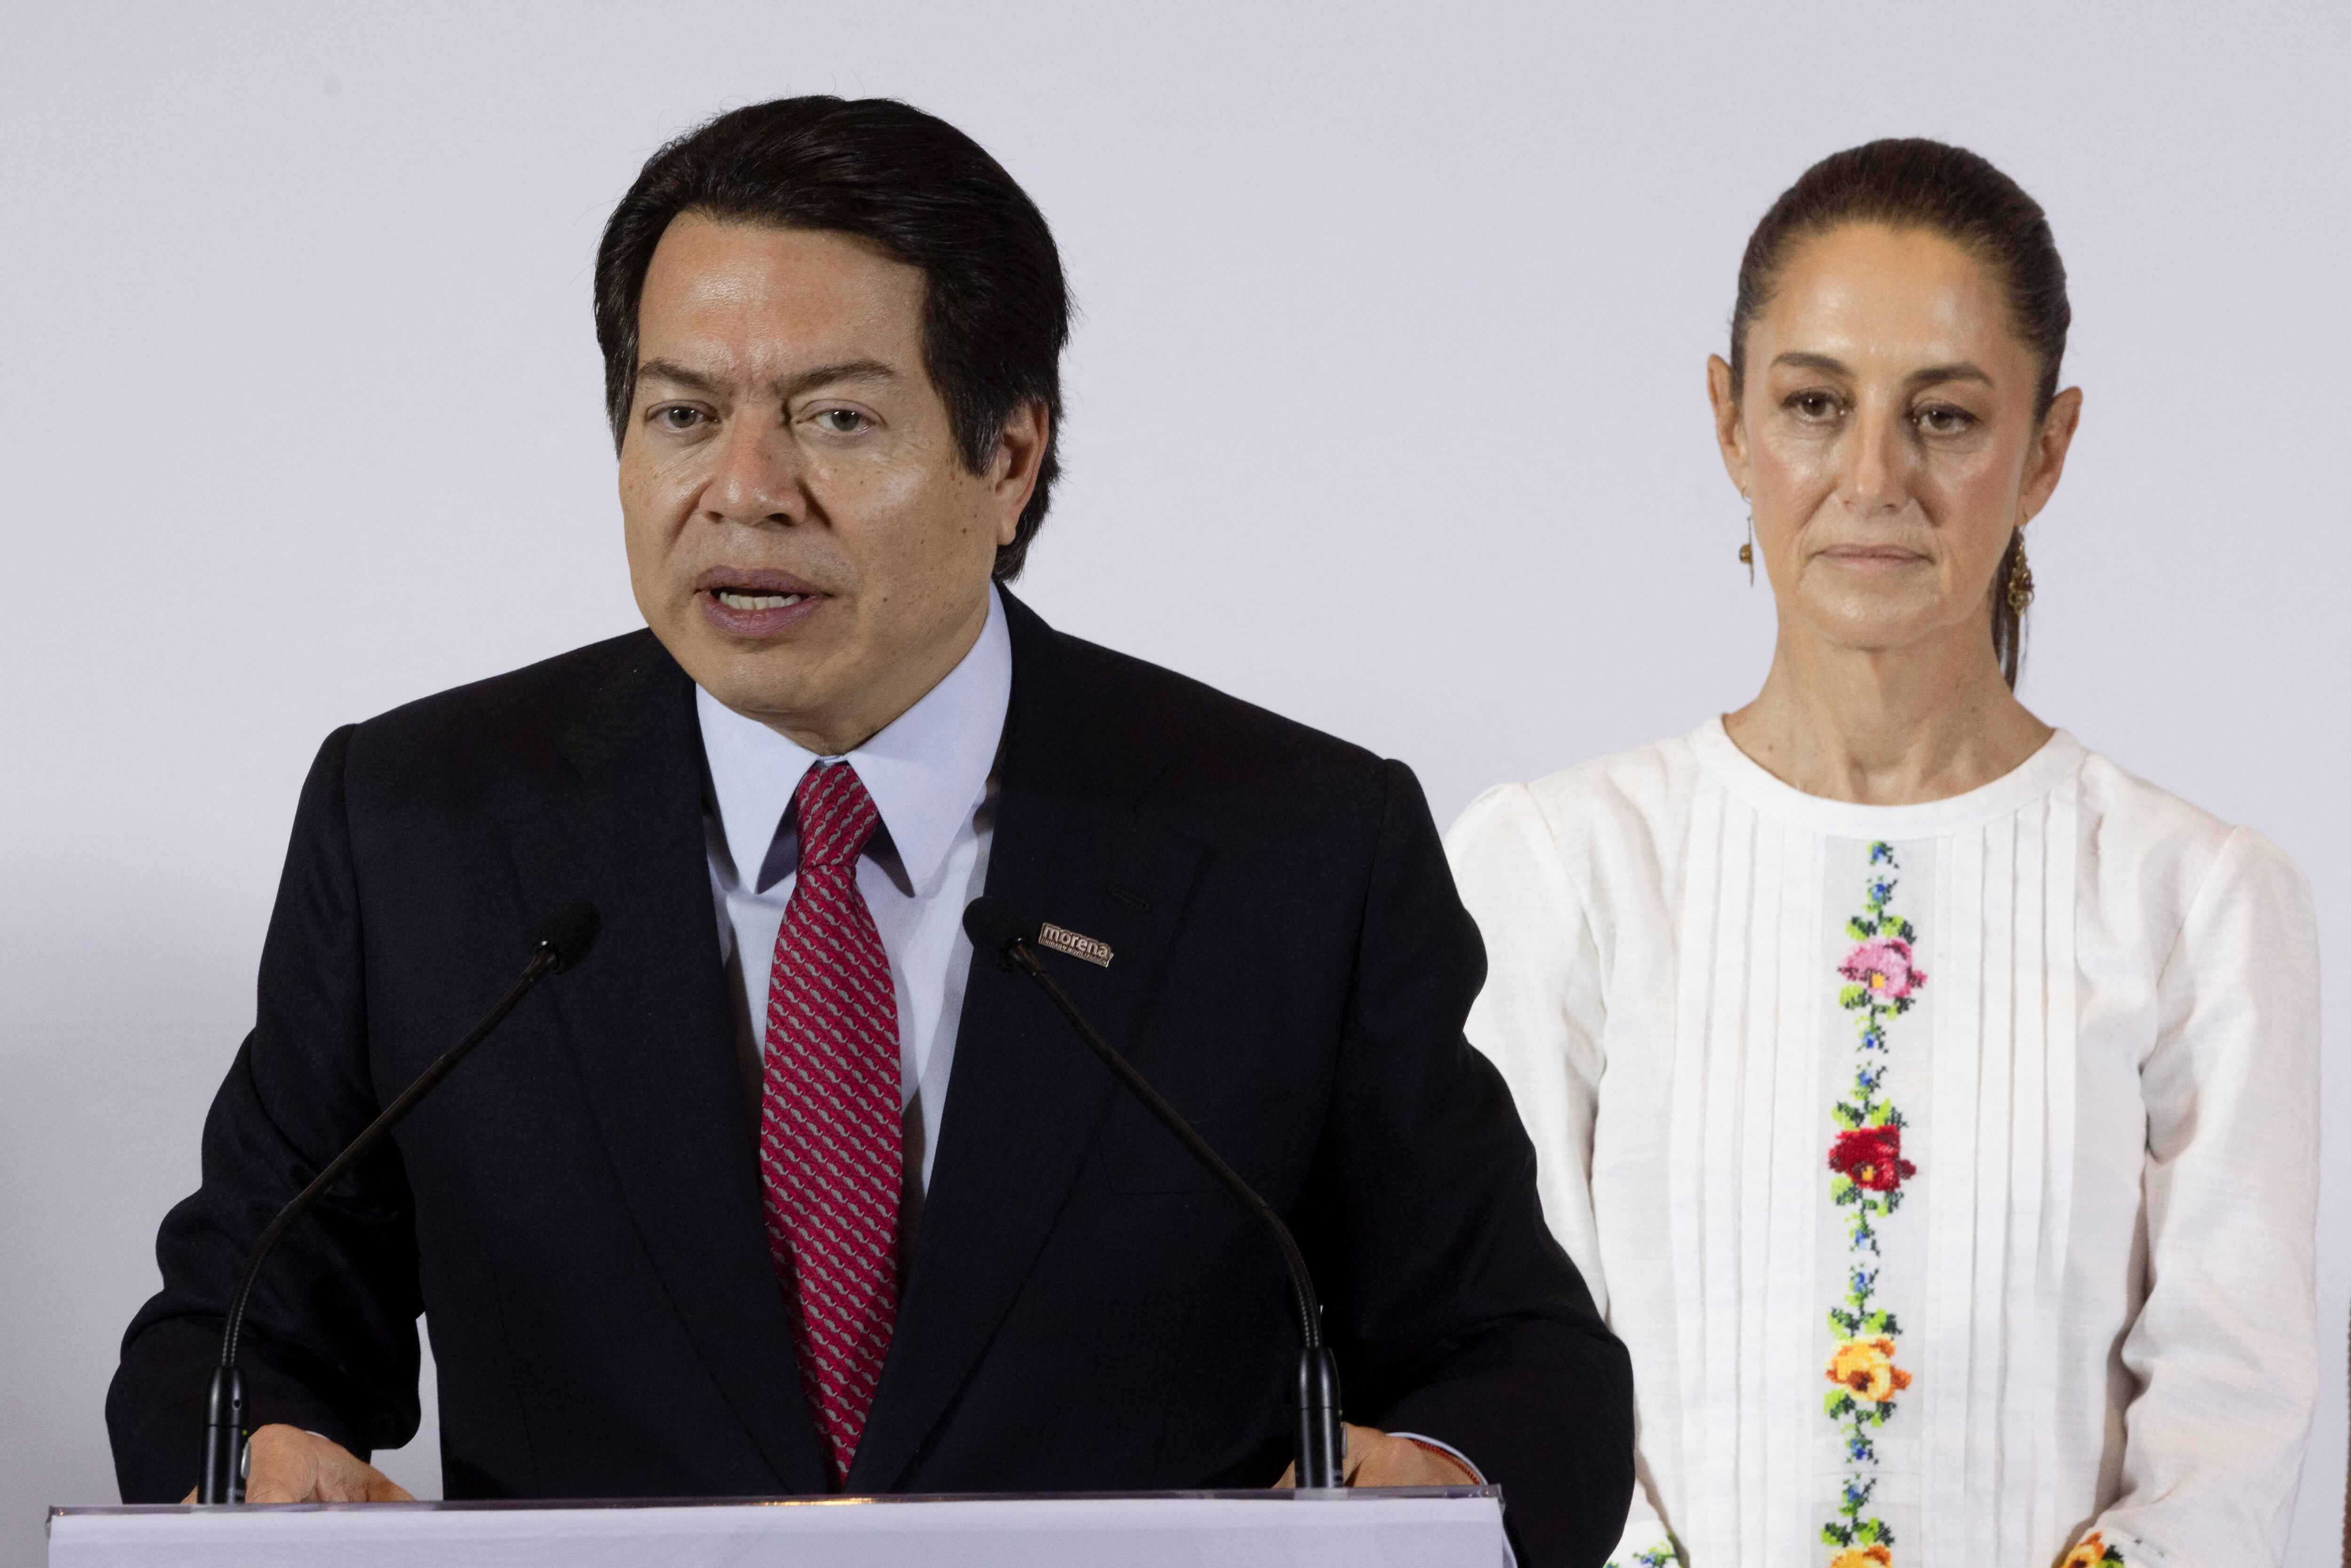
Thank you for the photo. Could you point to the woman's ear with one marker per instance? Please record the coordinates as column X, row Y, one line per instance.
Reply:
column 2045, row 465
column 1730, row 430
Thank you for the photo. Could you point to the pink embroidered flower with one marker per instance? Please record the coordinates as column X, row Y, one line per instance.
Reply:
column 1882, row 964
column 1872, row 1157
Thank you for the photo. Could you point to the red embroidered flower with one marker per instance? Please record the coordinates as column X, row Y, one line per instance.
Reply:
column 1872, row 1157
column 1882, row 964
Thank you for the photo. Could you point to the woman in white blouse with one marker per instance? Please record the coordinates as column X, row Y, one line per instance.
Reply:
column 1930, row 1102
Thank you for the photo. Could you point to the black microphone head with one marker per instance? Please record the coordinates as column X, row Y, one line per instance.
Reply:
column 989, row 922
column 569, row 933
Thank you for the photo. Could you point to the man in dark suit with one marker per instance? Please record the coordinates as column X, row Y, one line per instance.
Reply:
column 782, row 1192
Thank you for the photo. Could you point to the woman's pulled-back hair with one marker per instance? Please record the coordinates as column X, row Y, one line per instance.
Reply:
column 1911, row 182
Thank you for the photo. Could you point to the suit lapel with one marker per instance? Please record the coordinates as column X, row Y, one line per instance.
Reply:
column 1025, row 1100
column 650, row 1030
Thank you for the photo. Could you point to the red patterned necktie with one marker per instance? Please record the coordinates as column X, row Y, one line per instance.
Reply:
column 828, row 1127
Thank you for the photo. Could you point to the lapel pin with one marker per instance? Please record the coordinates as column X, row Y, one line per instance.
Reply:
column 1063, row 940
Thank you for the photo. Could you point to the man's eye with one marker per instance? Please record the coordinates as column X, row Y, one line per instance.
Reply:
column 841, row 420
column 675, row 417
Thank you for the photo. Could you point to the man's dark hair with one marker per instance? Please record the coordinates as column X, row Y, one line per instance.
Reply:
column 995, row 309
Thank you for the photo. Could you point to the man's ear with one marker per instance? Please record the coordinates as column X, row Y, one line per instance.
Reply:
column 1019, row 455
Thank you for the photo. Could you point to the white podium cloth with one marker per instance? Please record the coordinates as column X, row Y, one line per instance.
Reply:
column 1458, row 1527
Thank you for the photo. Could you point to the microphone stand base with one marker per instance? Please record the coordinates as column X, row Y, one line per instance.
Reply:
column 1321, row 1432
column 223, row 1477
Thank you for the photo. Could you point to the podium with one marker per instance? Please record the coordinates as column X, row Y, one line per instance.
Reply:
column 1431, row 1527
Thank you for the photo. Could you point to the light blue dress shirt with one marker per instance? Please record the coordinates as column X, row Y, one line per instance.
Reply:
column 928, row 773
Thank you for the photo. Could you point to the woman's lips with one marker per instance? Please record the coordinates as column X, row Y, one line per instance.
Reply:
column 1880, row 557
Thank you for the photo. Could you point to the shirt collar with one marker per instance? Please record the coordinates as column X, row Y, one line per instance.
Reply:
column 927, row 769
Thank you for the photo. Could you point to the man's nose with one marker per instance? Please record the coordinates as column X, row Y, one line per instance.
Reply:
column 1877, row 458
column 757, row 477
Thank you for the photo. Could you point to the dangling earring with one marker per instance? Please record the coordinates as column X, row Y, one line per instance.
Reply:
column 1747, row 550
column 2020, row 581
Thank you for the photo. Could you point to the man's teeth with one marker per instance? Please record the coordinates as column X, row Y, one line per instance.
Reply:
column 738, row 599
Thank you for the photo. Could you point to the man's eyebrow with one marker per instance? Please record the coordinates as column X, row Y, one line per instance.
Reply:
column 671, row 371
column 809, row 381
column 790, row 387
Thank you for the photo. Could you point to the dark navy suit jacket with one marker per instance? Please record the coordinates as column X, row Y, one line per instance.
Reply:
column 578, row 1211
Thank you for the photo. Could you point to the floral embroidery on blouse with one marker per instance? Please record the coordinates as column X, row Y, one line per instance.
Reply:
column 1877, row 1556
column 1658, row 1556
column 1866, row 1171
column 2092, row 1552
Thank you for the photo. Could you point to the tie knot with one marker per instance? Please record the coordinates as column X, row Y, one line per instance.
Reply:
column 836, row 816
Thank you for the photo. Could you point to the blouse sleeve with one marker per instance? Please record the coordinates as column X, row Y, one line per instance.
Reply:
column 2225, row 1346
column 1540, row 1020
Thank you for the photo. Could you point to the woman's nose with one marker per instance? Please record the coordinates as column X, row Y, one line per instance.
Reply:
column 1877, row 458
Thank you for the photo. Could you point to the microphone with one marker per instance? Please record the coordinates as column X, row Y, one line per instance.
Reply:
column 1321, row 1442
column 564, row 939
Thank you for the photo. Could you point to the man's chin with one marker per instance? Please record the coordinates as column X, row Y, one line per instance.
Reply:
column 782, row 699
column 780, row 684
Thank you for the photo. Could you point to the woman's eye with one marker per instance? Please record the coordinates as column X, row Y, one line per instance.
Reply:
column 1943, row 420
column 1814, row 405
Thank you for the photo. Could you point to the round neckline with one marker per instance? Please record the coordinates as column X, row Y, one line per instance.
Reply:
column 2036, row 776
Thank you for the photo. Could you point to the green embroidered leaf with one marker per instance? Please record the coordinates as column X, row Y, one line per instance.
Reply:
column 1838, row 1403
column 1852, row 996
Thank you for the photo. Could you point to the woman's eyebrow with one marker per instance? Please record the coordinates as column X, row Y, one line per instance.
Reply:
column 1961, row 370
column 1958, row 370
column 1805, row 361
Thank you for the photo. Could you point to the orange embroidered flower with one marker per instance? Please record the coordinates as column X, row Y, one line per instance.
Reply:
column 1869, row 1557
column 1866, row 1366
column 2092, row 1551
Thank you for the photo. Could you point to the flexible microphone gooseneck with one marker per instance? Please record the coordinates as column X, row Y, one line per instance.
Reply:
column 564, row 939
column 1321, row 1443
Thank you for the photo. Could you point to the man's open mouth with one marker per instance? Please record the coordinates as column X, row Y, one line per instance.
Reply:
column 752, row 599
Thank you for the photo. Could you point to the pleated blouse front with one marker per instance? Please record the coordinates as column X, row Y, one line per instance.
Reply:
column 1947, row 1169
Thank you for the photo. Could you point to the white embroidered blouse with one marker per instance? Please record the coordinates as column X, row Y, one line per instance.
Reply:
column 1950, row 1170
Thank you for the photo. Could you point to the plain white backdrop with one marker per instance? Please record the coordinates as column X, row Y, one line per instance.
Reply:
column 1385, row 410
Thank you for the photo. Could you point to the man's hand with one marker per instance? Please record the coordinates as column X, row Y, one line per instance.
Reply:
column 290, row 1465
column 1376, row 1459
